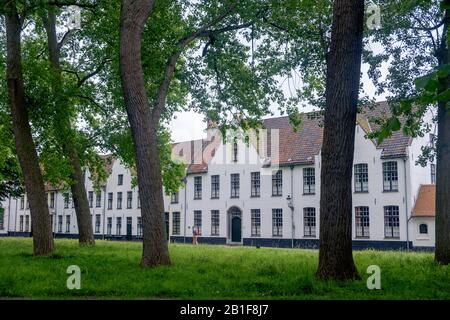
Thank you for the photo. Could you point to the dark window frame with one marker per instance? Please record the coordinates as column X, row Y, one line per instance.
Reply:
column 235, row 185
column 277, row 184
column 309, row 181
column 198, row 216
column 362, row 222
column 215, row 186
column 392, row 222
column 361, row 177
column 198, row 188
column 277, row 222
column 390, row 176
column 215, row 222
column 309, row 222
column 255, row 222
column 255, row 184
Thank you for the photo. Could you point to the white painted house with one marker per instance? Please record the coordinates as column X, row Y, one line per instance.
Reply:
column 265, row 192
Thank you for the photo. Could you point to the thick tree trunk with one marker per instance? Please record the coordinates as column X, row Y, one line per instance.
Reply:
column 134, row 15
column 342, row 88
column 78, row 188
column 40, row 218
column 442, row 249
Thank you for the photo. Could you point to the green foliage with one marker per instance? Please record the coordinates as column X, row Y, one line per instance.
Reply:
column 210, row 272
column 411, row 38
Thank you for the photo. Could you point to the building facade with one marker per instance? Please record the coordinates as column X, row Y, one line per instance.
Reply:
column 265, row 192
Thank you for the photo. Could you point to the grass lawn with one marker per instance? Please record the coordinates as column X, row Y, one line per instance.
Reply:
column 110, row 270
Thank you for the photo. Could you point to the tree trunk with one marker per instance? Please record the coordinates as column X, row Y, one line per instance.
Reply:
column 442, row 250
column 40, row 218
column 134, row 15
column 342, row 88
column 78, row 188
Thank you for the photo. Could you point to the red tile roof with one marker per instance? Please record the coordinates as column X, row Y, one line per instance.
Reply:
column 301, row 146
column 426, row 202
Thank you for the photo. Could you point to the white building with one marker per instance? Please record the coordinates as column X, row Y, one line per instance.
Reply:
column 264, row 193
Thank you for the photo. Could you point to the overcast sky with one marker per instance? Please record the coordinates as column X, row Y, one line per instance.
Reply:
column 189, row 125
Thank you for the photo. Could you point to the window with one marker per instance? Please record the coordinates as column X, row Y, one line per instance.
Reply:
column 28, row 204
column 22, row 202
column 197, row 188
column 139, row 201
column 91, row 199
column 215, row 187
column 66, row 201
column 2, row 215
column 118, row 226
column 277, row 183
column 309, row 181
column 235, row 185
column 215, row 221
column 129, row 199
column 198, row 221
column 27, row 223
column 110, row 200
column 433, row 173
column 361, row 177
column 139, row 226
column 176, row 223
column 277, row 222
column 235, row 151
column 97, row 223
column 390, row 176
column 423, row 229
column 21, row 223
column 119, row 200
column 362, row 222
column 120, row 180
column 174, row 197
column 309, row 222
column 256, row 222
column 391, row 222
column 109, row 226
column 67, row 224
column 60, row 223
column 255, row 184
column 98, row 199
column 52, row 200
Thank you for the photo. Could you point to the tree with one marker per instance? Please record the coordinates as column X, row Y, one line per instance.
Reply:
column 415, row 47
column 65, row 132
column 342, row 89
column 250, row 84
column 134, row 15
column 26, row 151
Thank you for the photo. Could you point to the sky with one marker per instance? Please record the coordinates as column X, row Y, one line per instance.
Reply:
column 189, row 125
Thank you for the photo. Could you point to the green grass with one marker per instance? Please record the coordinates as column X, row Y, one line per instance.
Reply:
column 110, row 270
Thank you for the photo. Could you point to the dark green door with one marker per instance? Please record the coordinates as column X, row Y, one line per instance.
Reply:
column 236, row 229
column 129, row 228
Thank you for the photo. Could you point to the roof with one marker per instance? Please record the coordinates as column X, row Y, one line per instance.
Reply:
column 301, row 146
column 426, row 202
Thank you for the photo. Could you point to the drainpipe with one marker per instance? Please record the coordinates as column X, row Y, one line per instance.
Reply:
column 185, row 209
column 15, row 221
column 9, row 215
column 291, row 206
column 104, row 211
column 406, row 205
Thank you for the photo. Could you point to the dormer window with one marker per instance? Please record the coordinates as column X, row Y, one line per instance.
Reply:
column 235, row 151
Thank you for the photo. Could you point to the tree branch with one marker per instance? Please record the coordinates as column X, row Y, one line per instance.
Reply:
column 204, row 31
